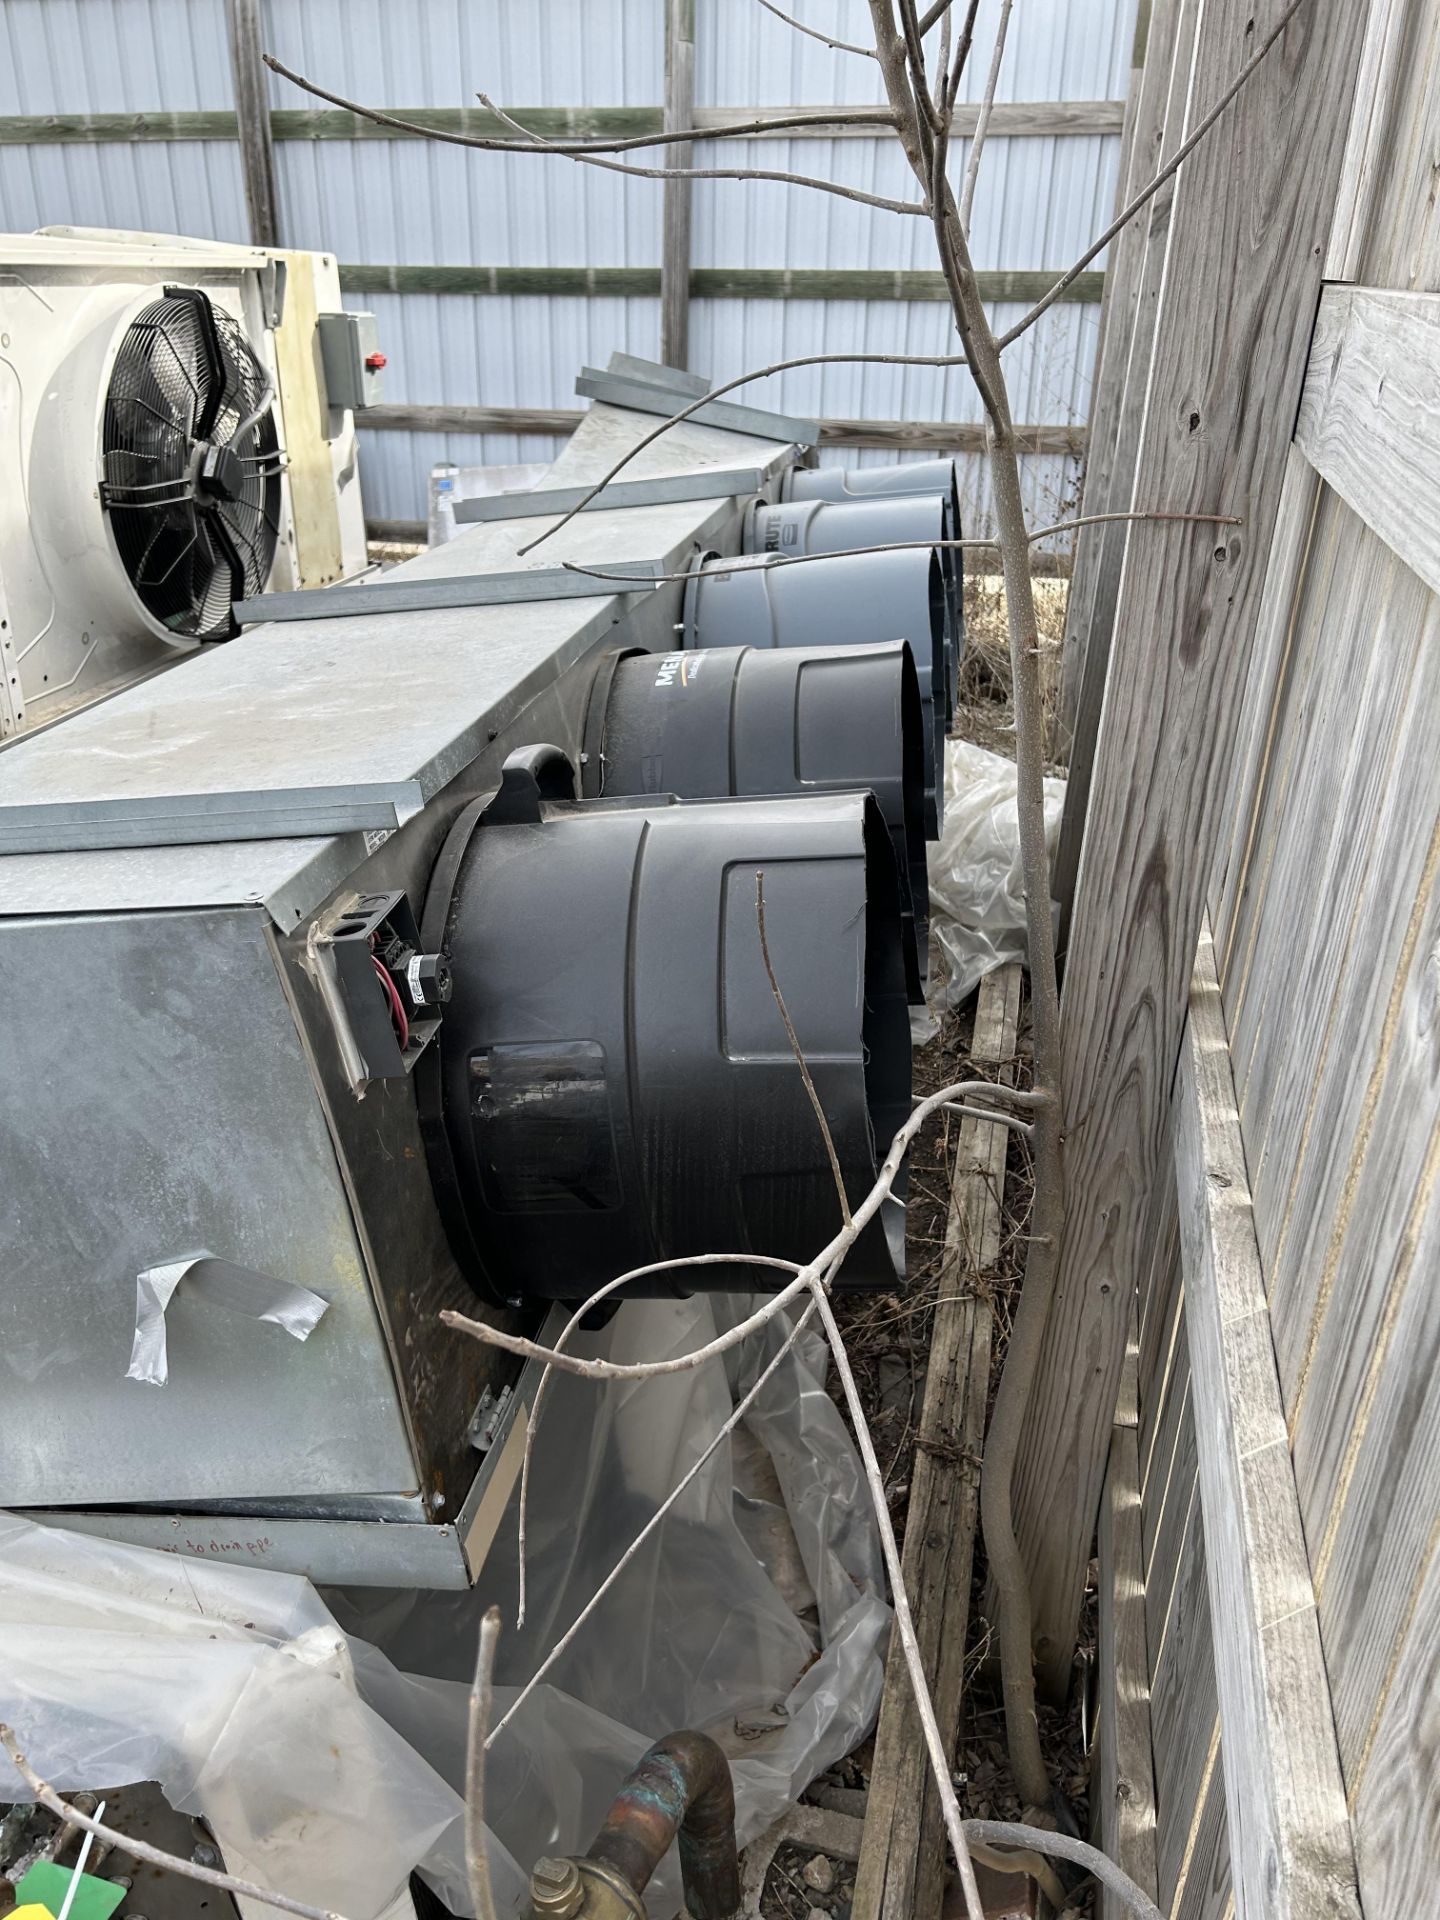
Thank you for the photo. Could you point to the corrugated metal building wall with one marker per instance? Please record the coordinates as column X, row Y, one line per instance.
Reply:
column 69, row 67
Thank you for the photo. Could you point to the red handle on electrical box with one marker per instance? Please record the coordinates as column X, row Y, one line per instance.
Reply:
column 374, row 362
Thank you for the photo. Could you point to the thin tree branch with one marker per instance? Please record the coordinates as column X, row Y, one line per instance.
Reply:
column 741, row 1409
column 563, row 1340
column 761, row 562
column 940, row 1760
column 997, row 1512
column 941, row 7
column 927, row 112
column 1035, row 1098
column 982, row 124
column 839, row 46
column 1181, row 153
column 729, row 386
column 142, row 1850
column 1010, row 1120
column 477, row 1859
column 487, row 143
column 538, row 144
column 1060, row 1846
column 794, row 1040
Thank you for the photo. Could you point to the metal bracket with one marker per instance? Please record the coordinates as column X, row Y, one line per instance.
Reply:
column 433, row 596
column 198, row 819
column 643, row 397
column 716, row 483
column 654, row 373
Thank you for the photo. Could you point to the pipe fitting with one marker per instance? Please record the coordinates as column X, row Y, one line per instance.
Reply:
column 682, row 1786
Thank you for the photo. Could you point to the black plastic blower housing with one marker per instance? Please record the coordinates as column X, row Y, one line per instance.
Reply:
column 869, row 483
column 840, row 601
column 832, row 526
column 740, row 722
column 614, row 1083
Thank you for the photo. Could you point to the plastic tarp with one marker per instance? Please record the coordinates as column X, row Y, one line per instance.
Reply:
column 323, row 1738
column 977, row 902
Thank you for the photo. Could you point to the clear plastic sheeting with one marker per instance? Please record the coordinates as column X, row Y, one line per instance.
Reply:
column 330, row 1762
column 977, row 901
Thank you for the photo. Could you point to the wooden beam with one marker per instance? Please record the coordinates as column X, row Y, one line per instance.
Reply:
column 1123, row 1804
column 1370, row 418
column 675, row 211
column 1018, row 286
column 1291, row 1855
column 901, row 1874
column 252, row 114
column 938, row 436
column 1011, row 119
column 1231, row 343
column 1123, row 314
column 1139, row 263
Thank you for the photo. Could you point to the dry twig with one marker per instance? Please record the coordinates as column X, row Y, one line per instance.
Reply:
column 563, row 1340
column 142, row 1850
column 538, row 142
column 837, row 46
column 982, row 124
column 490, row 143
column 477, row 1859
column 761, row 562
column 742, row 1407
column 1034, row 1099
column 587, row 156
column 904, row 1621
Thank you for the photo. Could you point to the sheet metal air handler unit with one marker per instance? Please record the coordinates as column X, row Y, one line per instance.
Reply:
column 213, row 913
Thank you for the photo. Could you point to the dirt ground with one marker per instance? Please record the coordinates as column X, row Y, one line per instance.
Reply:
column 888, row 1338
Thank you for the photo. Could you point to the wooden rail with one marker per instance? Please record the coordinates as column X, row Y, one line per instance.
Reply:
column 1019, row 285
column 901, row 1874
column 936, row 436
column 1291, row 1855
column 1012, row 119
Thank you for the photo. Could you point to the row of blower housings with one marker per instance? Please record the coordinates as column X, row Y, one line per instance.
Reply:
column 807, row 710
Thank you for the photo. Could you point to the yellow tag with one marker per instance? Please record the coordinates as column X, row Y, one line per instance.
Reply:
column 34, row 1911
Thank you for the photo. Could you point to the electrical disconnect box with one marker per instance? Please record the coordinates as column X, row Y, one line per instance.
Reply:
column 351, row 357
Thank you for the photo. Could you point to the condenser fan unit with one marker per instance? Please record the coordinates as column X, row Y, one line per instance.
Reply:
column 191, row 464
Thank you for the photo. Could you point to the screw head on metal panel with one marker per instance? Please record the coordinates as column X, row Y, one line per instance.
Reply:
column 556, row 1888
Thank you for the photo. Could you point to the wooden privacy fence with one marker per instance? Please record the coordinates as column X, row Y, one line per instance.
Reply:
column 1245, row 1339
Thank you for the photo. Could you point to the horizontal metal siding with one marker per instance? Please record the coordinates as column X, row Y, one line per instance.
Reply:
column 1054, row 50
column 503, row 351
column 410, row 202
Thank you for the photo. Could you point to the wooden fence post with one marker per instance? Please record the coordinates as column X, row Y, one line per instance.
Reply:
column 252, row 110
column 675, row 218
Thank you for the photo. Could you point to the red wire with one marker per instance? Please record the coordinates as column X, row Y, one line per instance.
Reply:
column 397, row 1010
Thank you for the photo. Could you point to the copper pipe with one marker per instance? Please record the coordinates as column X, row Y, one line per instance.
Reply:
column 682, row 1785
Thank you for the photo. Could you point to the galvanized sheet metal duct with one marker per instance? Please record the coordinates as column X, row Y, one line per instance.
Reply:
column 615, row 1084
column 746, row 721
column 840, row 601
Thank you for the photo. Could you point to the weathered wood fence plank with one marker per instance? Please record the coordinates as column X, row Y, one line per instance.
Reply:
column 1124, row 1804
column 1248, row 225
column 1370, row 418
column 1290, row 1849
